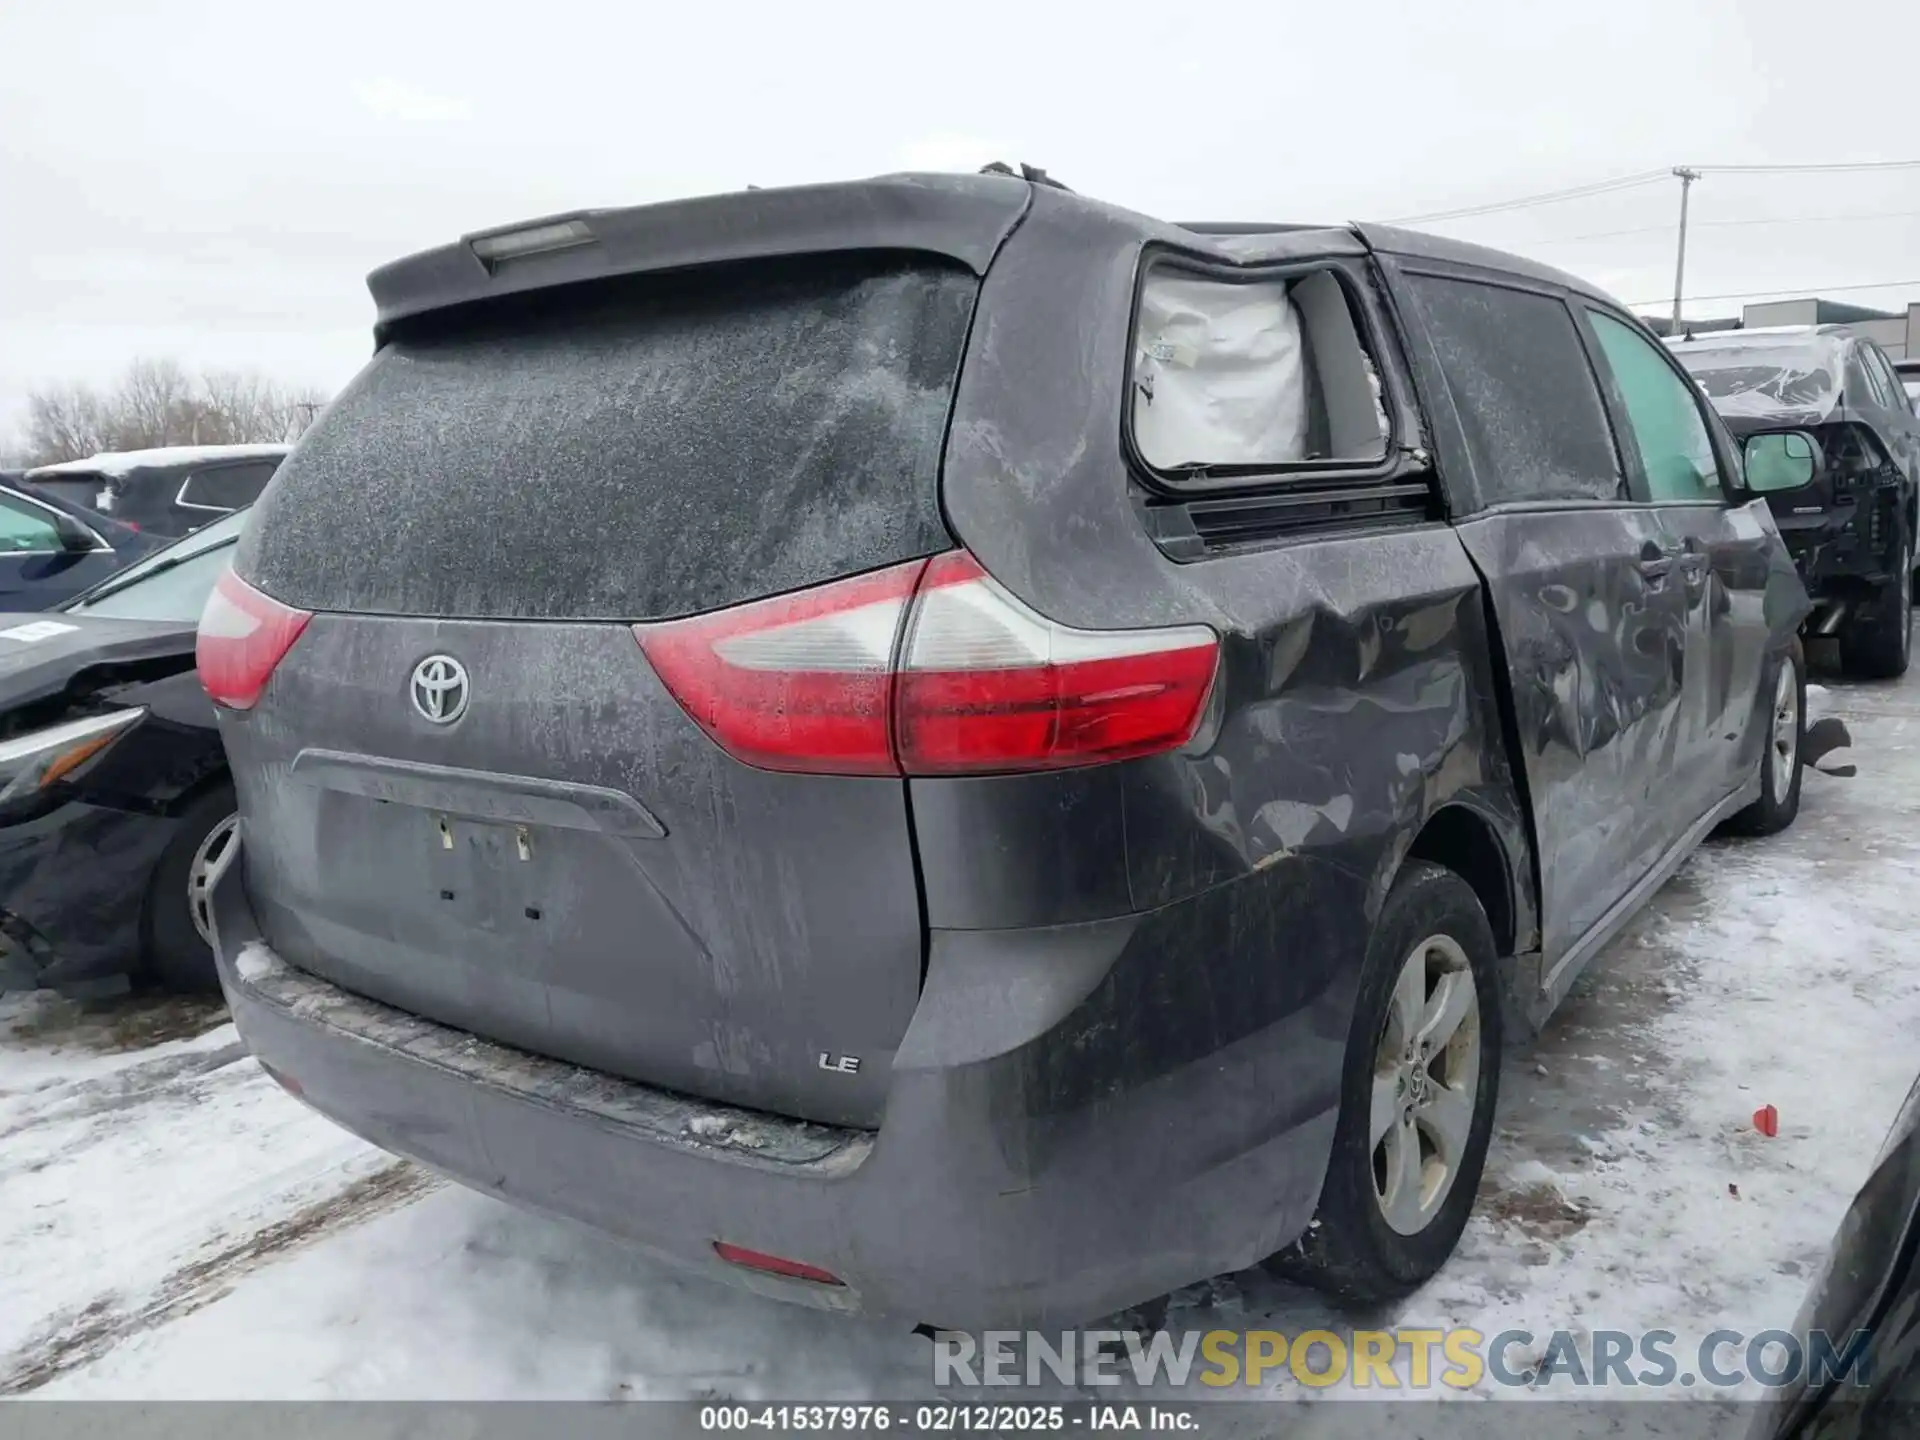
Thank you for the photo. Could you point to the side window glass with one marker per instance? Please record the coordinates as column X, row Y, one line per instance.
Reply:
column 1252, row 375
column 1663, row 416
column 24, row 529
column 226, row 487
column 1883, row 367
column 1526, row 395
column 1875, row 386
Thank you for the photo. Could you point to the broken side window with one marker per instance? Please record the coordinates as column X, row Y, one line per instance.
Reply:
column 1255, row 374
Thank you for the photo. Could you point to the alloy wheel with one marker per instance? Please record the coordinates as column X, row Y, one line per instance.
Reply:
column 1785, row 740
column 1426, row 1075
column 209, row 864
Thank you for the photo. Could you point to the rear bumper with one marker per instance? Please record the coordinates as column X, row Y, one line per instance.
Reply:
column 971, row 1206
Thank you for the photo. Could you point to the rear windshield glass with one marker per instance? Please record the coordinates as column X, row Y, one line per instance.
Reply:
column 629, row 453
column 82, row 490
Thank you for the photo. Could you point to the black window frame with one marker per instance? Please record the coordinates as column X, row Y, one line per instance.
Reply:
column 1640, row 492
column 1412, row 268
column 1402, row 455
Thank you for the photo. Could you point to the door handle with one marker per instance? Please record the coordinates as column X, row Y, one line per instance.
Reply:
column 1656, row 565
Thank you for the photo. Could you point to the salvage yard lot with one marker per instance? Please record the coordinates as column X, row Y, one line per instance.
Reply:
column 173, row 1225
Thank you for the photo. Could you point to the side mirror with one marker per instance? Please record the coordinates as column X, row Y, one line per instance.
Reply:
column 75, row 538
column 1780, row 460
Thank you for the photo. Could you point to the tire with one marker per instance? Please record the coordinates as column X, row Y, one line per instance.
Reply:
column 1365, row 1245
column 1779, row 800
column 1877, row 640
column 177, row 958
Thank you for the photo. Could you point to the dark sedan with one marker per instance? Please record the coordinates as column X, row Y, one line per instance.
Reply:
column 114, row 794
column 51, row 550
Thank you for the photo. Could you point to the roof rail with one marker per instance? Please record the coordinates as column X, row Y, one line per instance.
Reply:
column 1032, row 174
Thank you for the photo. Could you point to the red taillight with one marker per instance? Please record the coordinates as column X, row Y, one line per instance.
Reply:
column 799, row 682
column 774, row 1264
column 243, row 635
column 988, row 685
column 822, row 680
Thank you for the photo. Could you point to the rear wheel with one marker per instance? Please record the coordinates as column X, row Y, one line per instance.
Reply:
column 1421, row 1077
column 179, row 931
column 1878, row 637
column 1783, row 763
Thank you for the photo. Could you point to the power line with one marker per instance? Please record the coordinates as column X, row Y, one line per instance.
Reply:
column 1648, row 177
column 1551, row 197
column 1809, row 169
column 1795, row 290
column 1716, row 224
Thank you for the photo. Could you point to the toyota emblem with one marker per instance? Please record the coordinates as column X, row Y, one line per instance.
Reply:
column 440, row 689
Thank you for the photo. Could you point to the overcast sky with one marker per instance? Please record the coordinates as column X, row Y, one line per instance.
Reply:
column 213, row 180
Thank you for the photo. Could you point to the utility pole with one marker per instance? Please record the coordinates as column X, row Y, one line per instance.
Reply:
column 1687, row 177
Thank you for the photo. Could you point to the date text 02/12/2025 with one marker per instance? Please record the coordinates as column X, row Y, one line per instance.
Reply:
column 942, row 1419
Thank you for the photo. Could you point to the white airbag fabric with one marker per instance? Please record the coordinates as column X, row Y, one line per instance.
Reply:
column 1220, row 374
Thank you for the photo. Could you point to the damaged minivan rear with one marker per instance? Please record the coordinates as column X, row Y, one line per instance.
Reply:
column 935, row 747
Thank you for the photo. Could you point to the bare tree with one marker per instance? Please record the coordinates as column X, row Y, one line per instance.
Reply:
column 65, row 422
column 236, row 403
column 154, row 405
column 156, row 402
column 241, row 407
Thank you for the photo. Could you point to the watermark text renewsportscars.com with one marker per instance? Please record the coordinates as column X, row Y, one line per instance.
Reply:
column 1409, row 1360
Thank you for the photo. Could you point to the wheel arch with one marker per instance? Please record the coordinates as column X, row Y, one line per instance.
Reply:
column 1459, row 838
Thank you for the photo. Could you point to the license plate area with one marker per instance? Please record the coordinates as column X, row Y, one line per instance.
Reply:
column 486, row 874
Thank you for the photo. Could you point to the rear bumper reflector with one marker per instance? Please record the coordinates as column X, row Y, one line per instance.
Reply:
column 774, row 1264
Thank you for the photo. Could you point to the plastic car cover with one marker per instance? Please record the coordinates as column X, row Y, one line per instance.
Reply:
column 1752, row 377
column 1220, row 374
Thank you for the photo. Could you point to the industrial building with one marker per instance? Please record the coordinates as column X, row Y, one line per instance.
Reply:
column 1896, row 332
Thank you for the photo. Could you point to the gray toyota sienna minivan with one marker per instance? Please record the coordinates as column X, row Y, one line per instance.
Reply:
column 938, row 747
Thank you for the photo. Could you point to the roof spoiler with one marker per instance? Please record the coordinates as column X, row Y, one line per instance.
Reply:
column 963, row 218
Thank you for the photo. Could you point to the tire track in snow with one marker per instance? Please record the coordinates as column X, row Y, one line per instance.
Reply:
column 81, row 1336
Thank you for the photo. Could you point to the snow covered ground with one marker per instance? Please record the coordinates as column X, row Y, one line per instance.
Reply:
column 172, row 1225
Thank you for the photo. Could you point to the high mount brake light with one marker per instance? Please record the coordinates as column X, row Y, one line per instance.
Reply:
column 928, row 668
column 243, row 636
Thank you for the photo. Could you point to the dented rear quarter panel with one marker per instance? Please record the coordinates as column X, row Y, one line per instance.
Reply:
column 1355, row 700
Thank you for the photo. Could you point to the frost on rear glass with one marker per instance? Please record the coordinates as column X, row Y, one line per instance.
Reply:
column 629, row 454
column 1524, row 391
